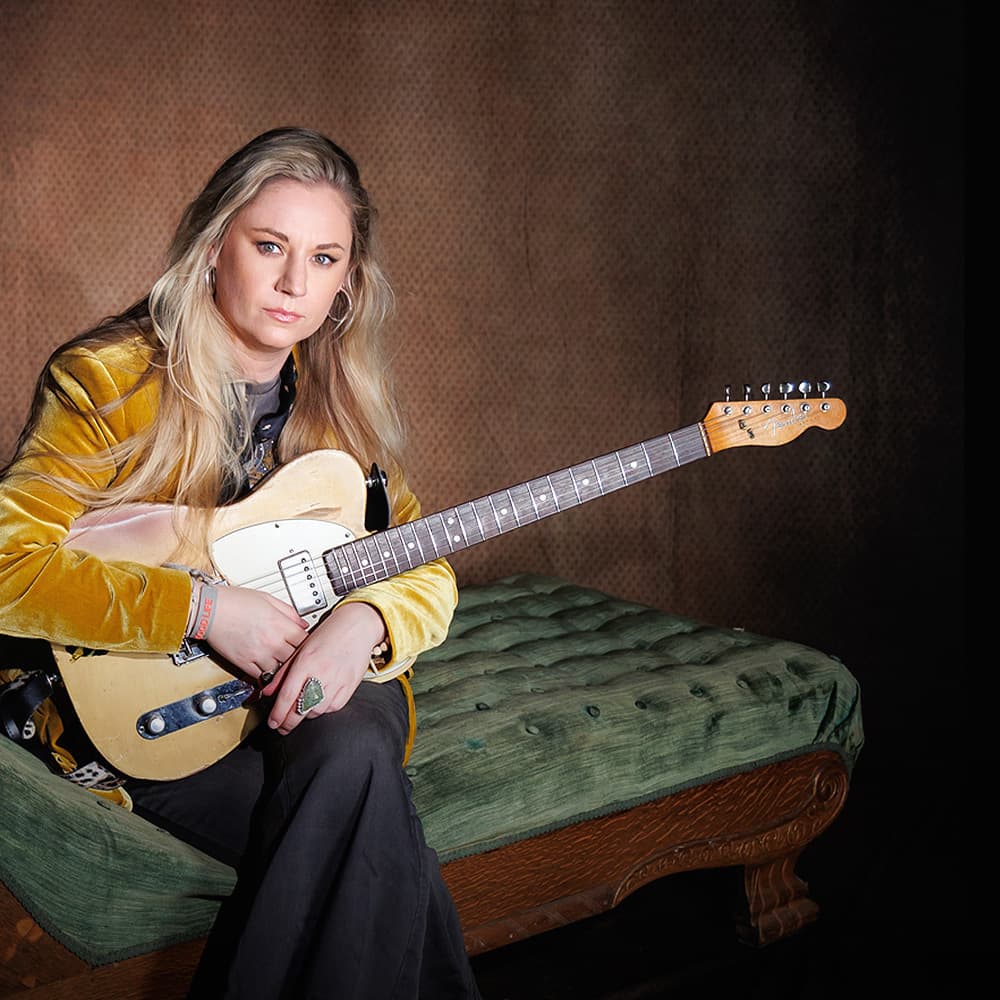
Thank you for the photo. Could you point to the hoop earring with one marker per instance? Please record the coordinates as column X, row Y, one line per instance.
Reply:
column 339, row 321
column 210, row 280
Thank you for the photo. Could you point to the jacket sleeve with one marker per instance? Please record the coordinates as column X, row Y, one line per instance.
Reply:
column 416, row 605
column 47, row 590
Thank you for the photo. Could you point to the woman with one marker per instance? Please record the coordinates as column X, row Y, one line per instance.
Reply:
column 262, row 341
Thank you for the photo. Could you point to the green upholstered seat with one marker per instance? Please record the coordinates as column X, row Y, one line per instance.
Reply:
column 548, row 703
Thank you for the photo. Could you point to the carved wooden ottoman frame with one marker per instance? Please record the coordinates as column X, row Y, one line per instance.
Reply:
column 760, row 819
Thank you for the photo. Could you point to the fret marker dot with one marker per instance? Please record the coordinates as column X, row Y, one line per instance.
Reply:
column 344, row 570
column 455, row 538
column 386, row 555
column 364, row 562
column 503, row 510
column 542, row 496
column 632, row 465
column 451, row 520
column 410, row 545
column 586, row 482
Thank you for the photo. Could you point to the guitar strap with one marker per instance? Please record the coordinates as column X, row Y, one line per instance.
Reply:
column 20, row 699
column 36, row 714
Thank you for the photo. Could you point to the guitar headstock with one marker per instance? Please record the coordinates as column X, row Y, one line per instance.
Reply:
column 770, row 422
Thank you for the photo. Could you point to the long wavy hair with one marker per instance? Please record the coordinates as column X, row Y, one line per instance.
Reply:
column 194, row 447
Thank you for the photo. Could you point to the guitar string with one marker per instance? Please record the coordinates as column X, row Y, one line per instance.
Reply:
column 372, row 571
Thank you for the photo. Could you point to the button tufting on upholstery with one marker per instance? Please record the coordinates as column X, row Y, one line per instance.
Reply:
column 626, row 703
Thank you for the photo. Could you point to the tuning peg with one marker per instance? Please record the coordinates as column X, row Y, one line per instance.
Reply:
column 729, row 392
column 766, row 390
column 746, row 391
column 823, row 388
column 805, row 388
column 785, row 388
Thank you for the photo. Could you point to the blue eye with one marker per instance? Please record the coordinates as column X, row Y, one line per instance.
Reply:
column 325, row 259
column 268, row 247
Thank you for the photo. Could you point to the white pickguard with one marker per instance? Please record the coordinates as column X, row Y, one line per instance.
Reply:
column 283, row 558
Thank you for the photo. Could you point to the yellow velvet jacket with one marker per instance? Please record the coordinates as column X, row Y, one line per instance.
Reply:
column 70, row 597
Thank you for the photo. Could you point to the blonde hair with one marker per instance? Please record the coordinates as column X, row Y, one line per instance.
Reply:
column 194, row 447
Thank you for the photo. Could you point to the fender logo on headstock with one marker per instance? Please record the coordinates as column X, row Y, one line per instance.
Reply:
column 730, row 424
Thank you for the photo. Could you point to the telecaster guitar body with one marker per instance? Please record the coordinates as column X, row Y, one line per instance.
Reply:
column 301, row 538
column 271, row 541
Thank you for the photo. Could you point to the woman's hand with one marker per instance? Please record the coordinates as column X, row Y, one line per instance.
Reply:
column 254, row 631
column 337, row 653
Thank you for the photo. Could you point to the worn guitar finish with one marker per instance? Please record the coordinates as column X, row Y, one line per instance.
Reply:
column 301, row 538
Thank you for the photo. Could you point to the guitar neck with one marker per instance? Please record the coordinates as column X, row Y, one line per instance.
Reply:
column 395, row 550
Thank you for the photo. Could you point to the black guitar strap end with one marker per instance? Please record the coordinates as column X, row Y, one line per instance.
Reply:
column 20, row 698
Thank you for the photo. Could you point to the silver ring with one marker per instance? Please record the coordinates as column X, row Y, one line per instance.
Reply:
column 310, row 695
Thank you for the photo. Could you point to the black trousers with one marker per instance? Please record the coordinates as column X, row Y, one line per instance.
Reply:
column 338, row 895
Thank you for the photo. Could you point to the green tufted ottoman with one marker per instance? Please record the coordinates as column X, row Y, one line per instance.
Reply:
column 571, row 747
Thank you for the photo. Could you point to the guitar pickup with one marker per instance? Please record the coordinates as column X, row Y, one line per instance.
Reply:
column 204, row 705
column 303, row 583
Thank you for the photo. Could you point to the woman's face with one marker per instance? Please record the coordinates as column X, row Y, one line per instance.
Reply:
column 278, row 270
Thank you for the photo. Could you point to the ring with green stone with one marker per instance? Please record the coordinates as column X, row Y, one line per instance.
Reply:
column 310, row 695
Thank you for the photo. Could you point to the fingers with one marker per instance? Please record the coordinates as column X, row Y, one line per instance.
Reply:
column 325, row 671
column 254, row 631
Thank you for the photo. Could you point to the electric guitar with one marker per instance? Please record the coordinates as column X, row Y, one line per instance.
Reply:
column 300, row 536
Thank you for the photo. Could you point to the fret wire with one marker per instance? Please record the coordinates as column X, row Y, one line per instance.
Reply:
column 387, row 536
column 602, row 473
column 489, row 530
column 598, row 478
column 553, row 492
column 572, row 479
column 349, row 565
column 531, row 496
column 673, row 448
column 377, row 560
column 336, row 578
column 356, row 550
column 398, row 546
column 496, row 513
column 645, row 454
column 513, row 507
column 409, row 547
column 422, row 530
column 442, row 536
column 430, row 535
column 460, row 521
column 446, row 533
column 633, row 471
column 613, row 470
column 564, row 489
column 479, row 524
column 364, row 561
column 621, row 466
column 517, row 492
column 585, row 476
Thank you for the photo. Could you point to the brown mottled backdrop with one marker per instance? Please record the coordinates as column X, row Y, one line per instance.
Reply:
column 596, row 214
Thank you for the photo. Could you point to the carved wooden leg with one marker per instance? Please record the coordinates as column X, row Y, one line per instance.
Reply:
column 777, row 903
